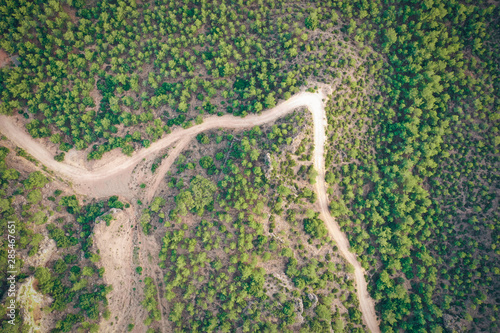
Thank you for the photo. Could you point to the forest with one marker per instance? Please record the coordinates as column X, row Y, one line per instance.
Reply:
column 412, row 158
column 225, row 267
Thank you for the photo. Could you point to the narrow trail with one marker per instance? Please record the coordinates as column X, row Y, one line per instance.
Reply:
column 165, row 166
column 108, row 179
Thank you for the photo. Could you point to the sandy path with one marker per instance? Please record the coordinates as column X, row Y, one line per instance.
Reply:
column 98, row 181
column 116, row 244
column 108, row 179
column 367, row 305
column 165, row 166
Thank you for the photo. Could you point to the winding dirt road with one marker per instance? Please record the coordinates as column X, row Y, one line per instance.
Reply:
column 109, row 178
column 367, row 305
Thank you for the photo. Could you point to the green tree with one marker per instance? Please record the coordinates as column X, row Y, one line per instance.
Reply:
column 203, row 191
column 35, row 180
column 312, row 21
column 315, row 227
column 206, row 162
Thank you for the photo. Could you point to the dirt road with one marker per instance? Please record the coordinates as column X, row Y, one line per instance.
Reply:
column 367, row 305
column 109, row 178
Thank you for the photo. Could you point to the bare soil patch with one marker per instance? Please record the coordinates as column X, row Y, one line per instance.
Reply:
column 116, row 247
column 71, row 12
column 4, row 58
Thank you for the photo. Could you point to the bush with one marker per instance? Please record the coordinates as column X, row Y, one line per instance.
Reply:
column 60, row 157
column 206, row 162
column 315, row 227
column 203, row 138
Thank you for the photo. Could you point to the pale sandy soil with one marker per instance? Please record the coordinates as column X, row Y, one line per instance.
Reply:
column 116, row 245
column 113, row 174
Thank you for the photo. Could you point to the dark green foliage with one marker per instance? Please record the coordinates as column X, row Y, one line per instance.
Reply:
column 213, row 72
column 90, row 302
column 196, row 198
column 59, row 236
column 59, row 157
column 45, row 282
column 60, row 266
column 407, row 182
column 66, row 325
column 202, row 190
column 315, row 227
column 312, row 21
column 203, row 138
column 113, row 202
column 411, row 155
column 35, row 180
column 70, row 258
column 206, row 162
column 71, row 204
